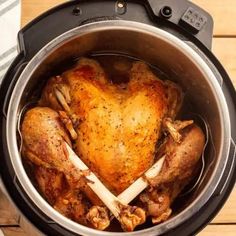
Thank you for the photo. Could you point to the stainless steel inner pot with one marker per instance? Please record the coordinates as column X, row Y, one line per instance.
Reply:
column 157, row 47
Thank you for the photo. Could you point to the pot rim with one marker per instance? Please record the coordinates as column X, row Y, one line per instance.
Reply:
column 12, row 121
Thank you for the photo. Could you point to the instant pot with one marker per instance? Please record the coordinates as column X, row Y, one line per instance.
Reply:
column 174, row 36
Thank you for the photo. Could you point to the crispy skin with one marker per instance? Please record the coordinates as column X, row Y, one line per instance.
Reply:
column 51, row 183
column 181, row 158
column 44, row 136
column 117, row 128
column 73, row 205
column 44, row 140
column 55, row 189
column 178, row 169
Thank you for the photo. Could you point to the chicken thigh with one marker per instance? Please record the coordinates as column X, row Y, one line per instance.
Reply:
column 44, row 140
column 179, row 168
column 68, row 201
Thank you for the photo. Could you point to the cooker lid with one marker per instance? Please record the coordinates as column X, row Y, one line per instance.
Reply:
column 181, row 18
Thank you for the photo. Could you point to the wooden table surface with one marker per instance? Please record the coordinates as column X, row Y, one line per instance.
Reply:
column 224, row 46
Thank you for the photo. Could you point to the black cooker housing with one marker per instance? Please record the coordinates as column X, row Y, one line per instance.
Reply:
column 181, row 18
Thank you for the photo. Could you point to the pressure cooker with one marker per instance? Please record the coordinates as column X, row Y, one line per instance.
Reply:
column 175, row 37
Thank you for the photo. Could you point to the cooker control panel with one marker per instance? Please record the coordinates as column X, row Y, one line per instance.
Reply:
column 193, row 20
column 182, row 18
column 185, row 15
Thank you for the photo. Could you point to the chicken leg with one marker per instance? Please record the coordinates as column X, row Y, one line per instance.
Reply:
column 178, row 169
column 45, row 146
column 44, row 140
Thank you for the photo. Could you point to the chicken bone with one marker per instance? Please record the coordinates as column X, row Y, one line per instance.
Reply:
column 128, row 216
column 173, row 127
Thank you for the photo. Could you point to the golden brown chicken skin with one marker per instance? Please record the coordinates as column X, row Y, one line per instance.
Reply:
column 117, row 127
column 60, row 183
column 179, row 168
column 114, row 129
column 51, row 183
column 68, row 201
column 44, row 140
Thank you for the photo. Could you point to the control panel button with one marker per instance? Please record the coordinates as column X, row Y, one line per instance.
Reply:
column 193, row 20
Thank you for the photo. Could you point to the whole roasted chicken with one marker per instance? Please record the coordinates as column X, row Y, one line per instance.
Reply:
column 115, row 130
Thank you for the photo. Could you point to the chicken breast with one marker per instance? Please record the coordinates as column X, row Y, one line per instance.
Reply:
column 117, row 127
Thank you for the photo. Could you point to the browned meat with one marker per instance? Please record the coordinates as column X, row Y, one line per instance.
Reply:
column 114, row 129
column 44, row 137
column 61, row 184
column 51, row 183
column 178, row 169
column 70, row 202
column 73, row 205
column 117, row 128
column 44, row 142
